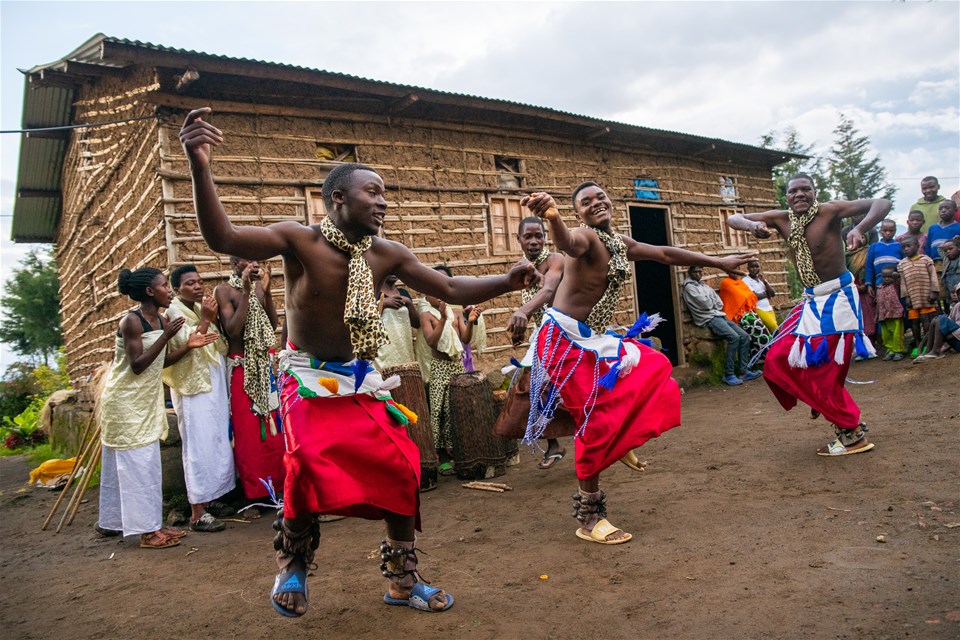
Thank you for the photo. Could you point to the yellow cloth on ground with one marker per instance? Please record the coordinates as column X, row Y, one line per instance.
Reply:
column 191, row 375
column 51, row 470
column 449, row 342
column 130, row 409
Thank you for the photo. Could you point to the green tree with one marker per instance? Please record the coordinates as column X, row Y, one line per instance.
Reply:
column 853, row 174
column 789, row 140
column 31, row 308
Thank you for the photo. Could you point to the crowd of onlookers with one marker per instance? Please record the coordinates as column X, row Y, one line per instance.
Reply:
column 908, row 284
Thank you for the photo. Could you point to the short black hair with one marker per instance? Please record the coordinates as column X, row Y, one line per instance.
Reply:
column 692, row 267
column 581, row 187
column 908, row 239
column 135, row 283
column 949, row 202
column 444, row 269
column 530, row 220
column 803, row 176
column 916, row 211
column 339, row 180
column 177, row 274
column 928, row 178
column 888, row 220
column 888, row 267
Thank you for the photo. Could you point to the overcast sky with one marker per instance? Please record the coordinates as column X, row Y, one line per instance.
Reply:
column 731, row 70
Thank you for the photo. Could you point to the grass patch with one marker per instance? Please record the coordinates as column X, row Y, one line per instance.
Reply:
column 43, row 452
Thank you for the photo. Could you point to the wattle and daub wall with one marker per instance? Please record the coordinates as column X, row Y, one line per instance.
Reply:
column 452, row 193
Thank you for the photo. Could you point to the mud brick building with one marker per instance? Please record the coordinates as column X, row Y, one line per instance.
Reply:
column 117, row 194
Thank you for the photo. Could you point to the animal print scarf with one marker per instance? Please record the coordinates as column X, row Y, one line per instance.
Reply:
column 360, row 313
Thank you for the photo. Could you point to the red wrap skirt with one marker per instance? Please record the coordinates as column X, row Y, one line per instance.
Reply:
column 347, row 456
column 642, row 404
column 257, row 452
column 821, row 386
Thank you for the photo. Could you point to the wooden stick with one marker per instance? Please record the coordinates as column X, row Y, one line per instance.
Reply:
column 98, row 453
column 81, row 454
column 84, row 461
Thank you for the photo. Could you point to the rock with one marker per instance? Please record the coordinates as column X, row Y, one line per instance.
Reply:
column 176, row 518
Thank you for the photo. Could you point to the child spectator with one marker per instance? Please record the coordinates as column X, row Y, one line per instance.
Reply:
column 884, row 252
column 943, row 329
column 944, row 230
column 914, row 224
column 918, row 280
column 890, row 313
column 950, row 274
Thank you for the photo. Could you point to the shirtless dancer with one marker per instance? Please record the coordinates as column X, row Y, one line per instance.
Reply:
column 618, row 390
column 249, row 320
column 536, row 299
column 347, row 449
column 809, row 357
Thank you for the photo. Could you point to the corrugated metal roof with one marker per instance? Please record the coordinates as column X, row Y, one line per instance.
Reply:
column 36, row 209
column 41, row 160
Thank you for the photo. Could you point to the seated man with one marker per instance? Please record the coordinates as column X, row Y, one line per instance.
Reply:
column 706, row 307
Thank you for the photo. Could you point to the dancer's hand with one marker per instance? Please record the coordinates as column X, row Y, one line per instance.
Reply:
column 730, row 263
column 523, row 275
column 761, row 230
column 517, row 326
column 542, row 205
column 855, row 239
column 198, row 138
column 246, row 277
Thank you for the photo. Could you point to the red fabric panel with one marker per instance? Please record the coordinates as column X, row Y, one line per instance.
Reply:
column 347, row 456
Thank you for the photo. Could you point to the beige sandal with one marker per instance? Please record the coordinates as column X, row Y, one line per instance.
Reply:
column 602, row 531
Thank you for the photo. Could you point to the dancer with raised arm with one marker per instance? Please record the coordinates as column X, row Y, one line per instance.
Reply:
column 809, row 357
column 361, row 462
column 618, row 390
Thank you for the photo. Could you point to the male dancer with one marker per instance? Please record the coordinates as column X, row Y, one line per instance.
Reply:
column 531, row 235
column 809, row 357
column 618, row 390
column 347, row 450
column 249, row 319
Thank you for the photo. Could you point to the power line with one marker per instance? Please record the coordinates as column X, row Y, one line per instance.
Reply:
column 68, row 127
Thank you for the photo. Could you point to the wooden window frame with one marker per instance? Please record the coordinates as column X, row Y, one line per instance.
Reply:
column 316, row 209
column 507, row 218
column 732, row 238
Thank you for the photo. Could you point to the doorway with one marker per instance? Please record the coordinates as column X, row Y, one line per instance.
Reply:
column 654, row 282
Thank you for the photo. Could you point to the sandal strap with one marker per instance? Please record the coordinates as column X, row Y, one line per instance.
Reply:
column 847, row 437
column 399, row 562
column 290, row 544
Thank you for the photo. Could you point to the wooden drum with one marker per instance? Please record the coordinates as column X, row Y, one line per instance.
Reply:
column 477, row 452
column 411, row 394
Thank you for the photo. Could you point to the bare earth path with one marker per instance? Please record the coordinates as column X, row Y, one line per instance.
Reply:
column 740, row 531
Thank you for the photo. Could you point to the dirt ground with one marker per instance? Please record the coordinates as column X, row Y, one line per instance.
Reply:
column 740, row 531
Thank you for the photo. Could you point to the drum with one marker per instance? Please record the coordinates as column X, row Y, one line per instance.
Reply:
column 477, row 453
column 412, row 395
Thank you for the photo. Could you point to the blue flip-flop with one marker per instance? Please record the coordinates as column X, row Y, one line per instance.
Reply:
column 296, row 582
column 419, row 599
